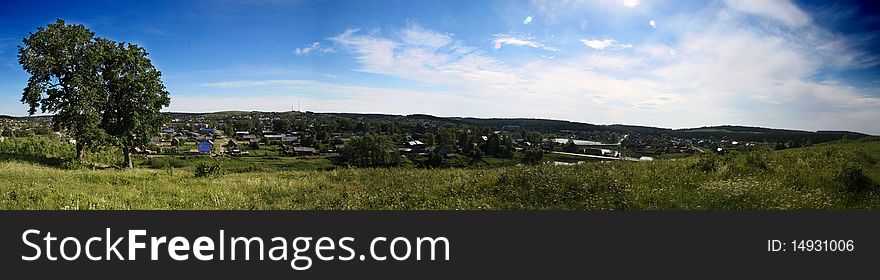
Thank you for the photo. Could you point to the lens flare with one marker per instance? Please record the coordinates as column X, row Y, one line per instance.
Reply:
column 527, row 20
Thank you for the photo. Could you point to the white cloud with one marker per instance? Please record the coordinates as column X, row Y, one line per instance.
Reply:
column 780, row 10
column 705, row 78
column 418, row 36
column 446, row 62
column 505, row 39
column 630, row 3
column 315, row 47
column 606, row 44
column 656, row 51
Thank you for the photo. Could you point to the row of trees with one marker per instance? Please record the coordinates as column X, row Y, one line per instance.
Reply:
column 100, row 91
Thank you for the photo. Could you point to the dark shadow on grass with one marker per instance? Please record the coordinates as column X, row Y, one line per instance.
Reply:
column 53, row 162
column 41, row 160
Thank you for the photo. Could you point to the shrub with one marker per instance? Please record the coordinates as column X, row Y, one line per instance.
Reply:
column 748, row 163
column 166, row 162
column 705, row 163
column 209, row 169
column 852, row 179
column 533, row 156
column 72, row 165
column 370, row 151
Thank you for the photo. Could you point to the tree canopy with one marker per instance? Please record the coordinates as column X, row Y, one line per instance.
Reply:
column 100, row 91
column 64, row 80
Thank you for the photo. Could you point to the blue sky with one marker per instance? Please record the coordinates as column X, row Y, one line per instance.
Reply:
column 786, row 64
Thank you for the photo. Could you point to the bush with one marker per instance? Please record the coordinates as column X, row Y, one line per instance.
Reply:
column 747, row 163
column 369, row 151
column 209, row 169
column 72, row 165
column 165, row 162
column 705, row 163
column 852, row 179
column 533, row 156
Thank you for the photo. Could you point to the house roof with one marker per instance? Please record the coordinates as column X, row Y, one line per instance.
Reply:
column 305, row 149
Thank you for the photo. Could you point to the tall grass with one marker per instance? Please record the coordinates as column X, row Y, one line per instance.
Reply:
column 54, row 151
column 826, row 176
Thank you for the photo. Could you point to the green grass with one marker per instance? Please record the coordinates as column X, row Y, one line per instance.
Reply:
column 840, row 175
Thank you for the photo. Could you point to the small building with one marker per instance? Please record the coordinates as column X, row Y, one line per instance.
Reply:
column 415, row 145
column 205, row 147
column 274, row 137
column 231, row 145
column 305, row 151
column 250, row 138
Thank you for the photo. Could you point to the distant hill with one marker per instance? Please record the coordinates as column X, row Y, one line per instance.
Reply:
column 543, row 125
column 746, row 133
column 742, row 133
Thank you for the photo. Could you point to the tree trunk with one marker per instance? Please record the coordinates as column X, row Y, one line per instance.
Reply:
column 128, row 161
column 80, row 152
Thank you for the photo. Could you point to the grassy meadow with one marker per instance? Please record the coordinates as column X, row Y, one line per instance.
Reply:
column 835, row 175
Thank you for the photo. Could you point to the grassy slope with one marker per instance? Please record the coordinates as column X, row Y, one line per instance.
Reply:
column 828, row 176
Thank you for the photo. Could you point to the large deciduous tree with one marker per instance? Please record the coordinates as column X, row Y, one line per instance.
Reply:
column 99, row 90
column 135, row 94
column 64, row 80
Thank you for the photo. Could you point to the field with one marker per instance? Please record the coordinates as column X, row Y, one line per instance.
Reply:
column 835, row 175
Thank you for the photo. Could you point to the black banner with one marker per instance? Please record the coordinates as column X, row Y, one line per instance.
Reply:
column 489, row 245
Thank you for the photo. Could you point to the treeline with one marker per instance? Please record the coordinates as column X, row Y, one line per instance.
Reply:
column 448, row 148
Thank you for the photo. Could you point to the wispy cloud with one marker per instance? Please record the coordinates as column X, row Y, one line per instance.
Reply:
column 727, row 70
column 314, row 47
column 439, row 61
column 506, row 39
column 656, row 84
column 630, row 3
column 781, row 10
column 605, row 44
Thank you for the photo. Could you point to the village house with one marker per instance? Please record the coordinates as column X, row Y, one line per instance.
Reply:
column 303, row 151
column 273, row 138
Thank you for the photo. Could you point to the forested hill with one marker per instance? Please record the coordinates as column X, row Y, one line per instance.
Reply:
column 743, row 133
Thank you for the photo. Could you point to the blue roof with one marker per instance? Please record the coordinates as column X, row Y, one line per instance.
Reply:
column 205, row 147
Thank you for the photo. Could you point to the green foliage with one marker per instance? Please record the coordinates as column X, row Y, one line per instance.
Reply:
column 209, row 169
column 370, row 151
column 99, row 91
column 705, row 163
column 434, row 160
column 551, row 187
column 166, row 162
column 852, row 179
column 824, row 176
column 533, row 156
column 134, row 94
column 64, row 80
column 50, row 147
column 748, row 163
